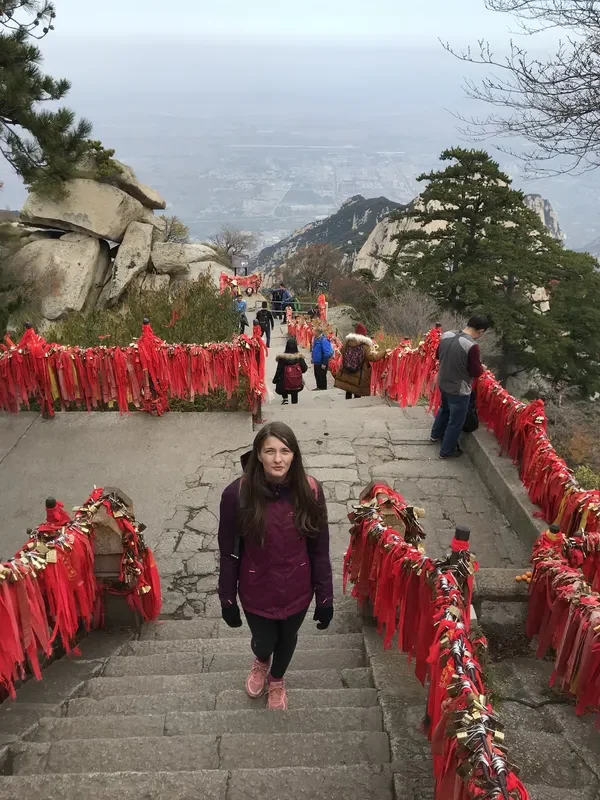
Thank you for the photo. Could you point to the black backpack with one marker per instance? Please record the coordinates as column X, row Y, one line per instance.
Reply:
column 263, row 319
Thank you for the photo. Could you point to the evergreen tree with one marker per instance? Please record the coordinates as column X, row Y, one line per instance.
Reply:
column 471, row 243
column 43, row 146
column 572, row 357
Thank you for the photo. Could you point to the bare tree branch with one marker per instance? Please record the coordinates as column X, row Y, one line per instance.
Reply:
column 552, row 103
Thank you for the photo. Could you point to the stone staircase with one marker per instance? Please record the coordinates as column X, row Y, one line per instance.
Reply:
column 167, row 717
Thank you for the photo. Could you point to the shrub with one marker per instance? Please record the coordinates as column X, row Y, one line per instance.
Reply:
column 192, row 313
column 588, row 479
column 175, row 231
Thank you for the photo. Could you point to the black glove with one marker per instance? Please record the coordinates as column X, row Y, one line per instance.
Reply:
column 231, row 615
column 323, row 615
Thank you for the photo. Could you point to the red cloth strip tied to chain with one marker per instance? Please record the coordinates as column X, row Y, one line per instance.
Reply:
column 143, row 375
column 49, row 590
column 302, row 329
column 427, row 604
column 408, row 373
column 564, row 613
column 521, row 430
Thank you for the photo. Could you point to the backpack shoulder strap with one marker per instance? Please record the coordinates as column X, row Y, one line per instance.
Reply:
column 312, row 482
column 237, row 542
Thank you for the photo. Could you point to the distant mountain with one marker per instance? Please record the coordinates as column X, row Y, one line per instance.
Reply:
column 348, row 229
column 593, row 248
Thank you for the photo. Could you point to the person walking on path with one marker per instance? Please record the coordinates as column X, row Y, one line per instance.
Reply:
column 281, row 298
column 241, row 306
column 291, row 366
column 274, row 555
column 460, row 365
column 276, row 303
column 358, row 353
column 322, row 351
column 266, row 321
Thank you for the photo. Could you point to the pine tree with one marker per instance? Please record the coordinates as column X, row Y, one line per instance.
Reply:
column 471, row 243
column 43, row 146
column 573, row 357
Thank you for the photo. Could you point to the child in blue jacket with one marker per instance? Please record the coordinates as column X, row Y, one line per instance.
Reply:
column 322, row 351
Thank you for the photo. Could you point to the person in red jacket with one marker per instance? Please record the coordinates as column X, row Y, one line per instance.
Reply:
column 274, row 556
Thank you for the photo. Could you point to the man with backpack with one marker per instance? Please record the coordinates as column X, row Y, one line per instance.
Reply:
column 266, row 322
column 288, row 378
column 322, row 351
column 460, row 365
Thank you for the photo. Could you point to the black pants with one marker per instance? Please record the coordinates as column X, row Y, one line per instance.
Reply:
column 293, row 395
column 349, row 395
column 275, row 637
column 321, row 376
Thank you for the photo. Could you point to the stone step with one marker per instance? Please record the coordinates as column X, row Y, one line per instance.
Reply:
column 540, row 792
column 364, row 782
column 151, row 647
column 214, row 627
column 192, row 723
column 304, row 698
column 194, row 663
column 182, row 753
column 228, row 700
column 99, row 688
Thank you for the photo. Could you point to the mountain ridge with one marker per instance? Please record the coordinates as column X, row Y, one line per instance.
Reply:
column 347, row 229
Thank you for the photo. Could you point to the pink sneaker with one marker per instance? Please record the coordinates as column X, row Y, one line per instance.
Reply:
column 277, row 697
column 256, row 683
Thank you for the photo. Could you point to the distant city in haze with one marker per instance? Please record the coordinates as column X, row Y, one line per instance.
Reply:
column 268, row 137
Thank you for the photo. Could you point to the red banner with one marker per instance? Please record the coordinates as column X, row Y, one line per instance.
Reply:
column 242, row 282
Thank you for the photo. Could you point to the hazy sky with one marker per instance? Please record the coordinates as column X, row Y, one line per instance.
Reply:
column 334, row 19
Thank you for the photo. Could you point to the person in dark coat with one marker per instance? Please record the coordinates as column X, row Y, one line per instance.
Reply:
column 358, row 353
column 266, row 322
column 283, row 380
column 274, row 556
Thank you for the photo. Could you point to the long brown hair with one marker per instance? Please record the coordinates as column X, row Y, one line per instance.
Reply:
column 256, row 491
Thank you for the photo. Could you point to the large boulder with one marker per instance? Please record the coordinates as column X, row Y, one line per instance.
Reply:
column 62, row 270
column 196, row 251
column 158, row 223
column 125, row 179
column 132, row 259
column 128, row 182
column 211, row 268
column 151, row 282
column 95, row 209
column 169, row 258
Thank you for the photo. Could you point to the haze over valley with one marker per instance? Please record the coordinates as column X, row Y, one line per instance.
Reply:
column 268, row 136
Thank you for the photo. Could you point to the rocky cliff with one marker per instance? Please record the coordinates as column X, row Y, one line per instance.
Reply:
column 546, row 213
column 347, row 229
column 381, row 244
column 86, row 248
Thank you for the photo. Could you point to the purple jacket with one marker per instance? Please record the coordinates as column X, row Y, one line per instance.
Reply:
column 278, row 579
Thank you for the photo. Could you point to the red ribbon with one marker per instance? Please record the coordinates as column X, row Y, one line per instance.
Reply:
column 146, row 374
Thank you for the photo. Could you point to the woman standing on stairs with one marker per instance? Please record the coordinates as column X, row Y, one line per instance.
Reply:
column 291, row 366
column 358, row 352
column 274, row 549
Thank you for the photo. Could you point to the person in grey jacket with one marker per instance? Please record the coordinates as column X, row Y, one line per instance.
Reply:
column 460, row 365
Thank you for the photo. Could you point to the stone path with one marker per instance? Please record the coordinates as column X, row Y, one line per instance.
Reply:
column 164, row 715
